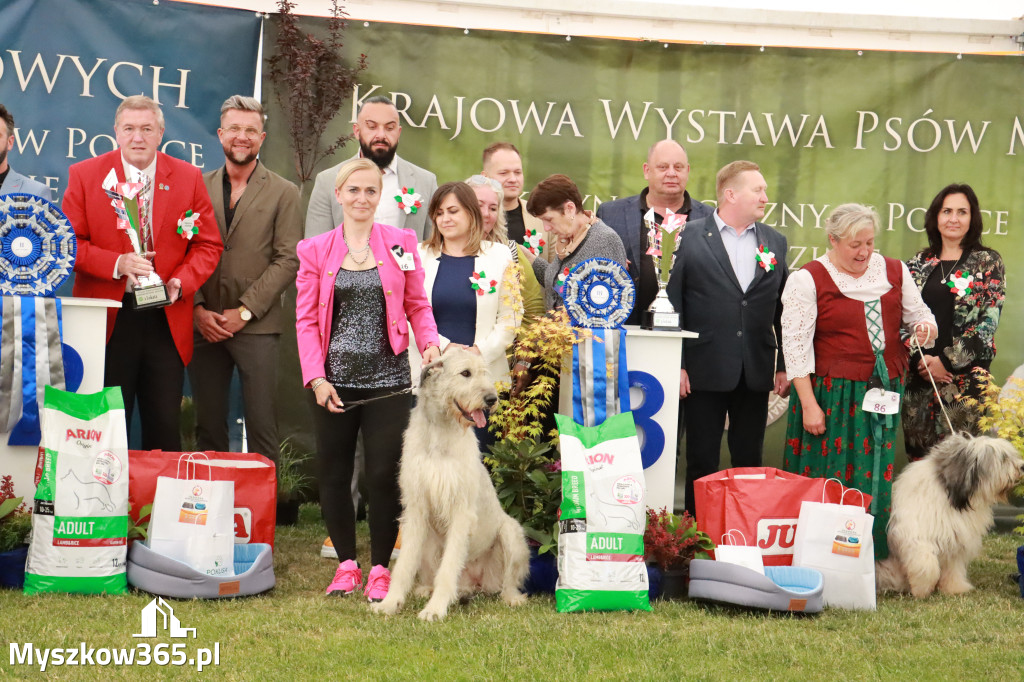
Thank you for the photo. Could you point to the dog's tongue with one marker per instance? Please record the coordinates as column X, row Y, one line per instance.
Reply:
column 479, row 418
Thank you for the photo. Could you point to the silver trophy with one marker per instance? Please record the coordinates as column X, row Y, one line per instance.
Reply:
column 150, row 292
column 662, row 241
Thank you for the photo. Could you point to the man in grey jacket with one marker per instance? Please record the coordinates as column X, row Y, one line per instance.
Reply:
column 667, row 171
column 10, row 181
column 378, row 132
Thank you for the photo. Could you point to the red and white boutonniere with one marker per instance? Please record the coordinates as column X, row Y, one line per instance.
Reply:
column 533, row 243
column 560, row 280
column 961, row 283
column 188, row 224
column 409, row 201
column 482, row 284
column 765, row 258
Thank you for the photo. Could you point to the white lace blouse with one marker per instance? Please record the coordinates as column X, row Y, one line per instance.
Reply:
column 800, row 308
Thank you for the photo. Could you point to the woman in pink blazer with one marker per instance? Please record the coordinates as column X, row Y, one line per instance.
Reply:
column 359, row 287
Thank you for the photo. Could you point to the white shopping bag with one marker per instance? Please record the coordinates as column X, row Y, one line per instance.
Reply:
column 741, row 555
column 836, row 540
column 193, row 520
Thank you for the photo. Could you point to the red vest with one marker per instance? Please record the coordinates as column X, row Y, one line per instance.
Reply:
column 842, row 348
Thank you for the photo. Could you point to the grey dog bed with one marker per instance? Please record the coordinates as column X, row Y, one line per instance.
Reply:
column 782, row 588
column 158, row 574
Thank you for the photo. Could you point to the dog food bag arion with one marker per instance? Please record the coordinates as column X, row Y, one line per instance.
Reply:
column 603, row 514
column 80, row 518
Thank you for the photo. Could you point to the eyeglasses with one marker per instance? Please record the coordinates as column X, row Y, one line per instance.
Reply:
column 484, row 181
column 247, row 131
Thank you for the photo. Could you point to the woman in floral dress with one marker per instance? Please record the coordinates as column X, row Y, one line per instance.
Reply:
column 963, row 284
column 841, row 320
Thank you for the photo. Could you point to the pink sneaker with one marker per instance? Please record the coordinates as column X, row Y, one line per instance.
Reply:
column 377, row 583
column 347, row 579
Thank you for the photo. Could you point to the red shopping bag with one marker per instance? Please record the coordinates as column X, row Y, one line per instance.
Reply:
column 255, row 478
column 762, row 503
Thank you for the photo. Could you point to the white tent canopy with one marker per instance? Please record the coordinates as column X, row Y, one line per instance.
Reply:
column 984, row 26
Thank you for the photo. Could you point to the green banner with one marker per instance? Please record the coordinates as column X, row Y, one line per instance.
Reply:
column 888, row 129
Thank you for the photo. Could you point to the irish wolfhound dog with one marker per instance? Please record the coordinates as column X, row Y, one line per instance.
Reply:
column 455, row 535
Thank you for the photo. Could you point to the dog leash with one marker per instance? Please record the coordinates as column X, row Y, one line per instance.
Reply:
column 914, row 343
column 356, row 403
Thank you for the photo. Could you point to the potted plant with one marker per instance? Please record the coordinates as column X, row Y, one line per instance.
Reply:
column 15, row 526
column 292, row 482
column 670, row 542
column 1000, row 412
column 528, row 479
column 526, row 469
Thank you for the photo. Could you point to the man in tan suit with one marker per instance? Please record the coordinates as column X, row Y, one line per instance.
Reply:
column 238, row 312
column 502, row 162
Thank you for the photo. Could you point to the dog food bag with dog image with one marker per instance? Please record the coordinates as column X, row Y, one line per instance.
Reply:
column 603, row 515
column 80, row 518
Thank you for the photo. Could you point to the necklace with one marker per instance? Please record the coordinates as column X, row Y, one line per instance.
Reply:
column 942, row 270
column 352, row 252
column 562, row 253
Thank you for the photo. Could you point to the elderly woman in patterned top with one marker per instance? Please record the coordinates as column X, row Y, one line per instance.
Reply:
column 964, row 285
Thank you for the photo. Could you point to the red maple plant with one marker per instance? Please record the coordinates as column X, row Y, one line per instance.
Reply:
column 671, row 541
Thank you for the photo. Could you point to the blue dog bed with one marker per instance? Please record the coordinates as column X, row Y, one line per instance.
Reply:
column 158, row 574
column 782, row 588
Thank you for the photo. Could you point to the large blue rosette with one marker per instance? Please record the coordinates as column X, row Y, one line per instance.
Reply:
column 598, row 294
column 37, row 246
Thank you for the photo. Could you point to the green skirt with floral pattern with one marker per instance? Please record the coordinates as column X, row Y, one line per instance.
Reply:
column 846, row 450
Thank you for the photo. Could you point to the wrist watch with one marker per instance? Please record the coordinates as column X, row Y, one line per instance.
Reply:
column 244, row 313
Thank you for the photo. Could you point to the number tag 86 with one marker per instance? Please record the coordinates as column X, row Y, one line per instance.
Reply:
column 881, row 402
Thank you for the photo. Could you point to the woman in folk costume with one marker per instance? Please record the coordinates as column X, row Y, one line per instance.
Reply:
column 841, row 320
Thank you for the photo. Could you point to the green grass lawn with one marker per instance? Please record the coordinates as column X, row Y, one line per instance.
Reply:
column 296, row 633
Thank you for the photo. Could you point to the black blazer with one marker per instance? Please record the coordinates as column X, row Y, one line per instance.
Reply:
column 740, row 331
column 623, row 216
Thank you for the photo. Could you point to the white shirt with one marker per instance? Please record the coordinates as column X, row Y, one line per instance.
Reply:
column 742, row 250
column 800, row 308
column 388, row 212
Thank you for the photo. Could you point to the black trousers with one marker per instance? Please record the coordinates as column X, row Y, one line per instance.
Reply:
column 144, row 362
column 382, row 423
column 705, row 413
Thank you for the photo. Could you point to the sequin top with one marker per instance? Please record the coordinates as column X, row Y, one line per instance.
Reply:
column 359, row 355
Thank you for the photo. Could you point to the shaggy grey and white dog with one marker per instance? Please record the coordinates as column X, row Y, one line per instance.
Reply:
column 941, row 510
column 455, row 535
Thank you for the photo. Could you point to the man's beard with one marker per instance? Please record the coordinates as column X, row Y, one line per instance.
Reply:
column 382, row 158
column 245, row 160
column 3, row 156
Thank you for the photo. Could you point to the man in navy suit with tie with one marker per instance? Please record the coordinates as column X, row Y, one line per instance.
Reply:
column 727, row 288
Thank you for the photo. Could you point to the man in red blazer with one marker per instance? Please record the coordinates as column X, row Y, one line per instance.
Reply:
column 147, row 350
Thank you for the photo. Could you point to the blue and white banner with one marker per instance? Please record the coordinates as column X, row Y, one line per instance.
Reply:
column 31, row 358
column 65, row 66
column 600, row 377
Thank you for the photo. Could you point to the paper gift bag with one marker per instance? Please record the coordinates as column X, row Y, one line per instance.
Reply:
column 761, row 502
column 192, row 520
column 836, row 540
column 741, row 555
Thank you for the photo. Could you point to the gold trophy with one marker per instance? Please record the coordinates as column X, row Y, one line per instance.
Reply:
column 662, row 241
column 150, row 291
